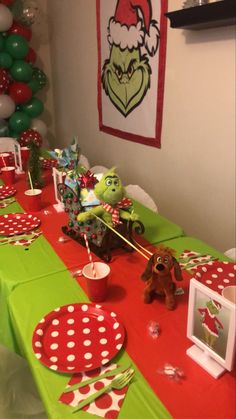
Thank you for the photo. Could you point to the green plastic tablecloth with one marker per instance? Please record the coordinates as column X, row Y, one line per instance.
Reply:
column 157, row 227
column 17, row 266
column 42, row 296
column 190, row 243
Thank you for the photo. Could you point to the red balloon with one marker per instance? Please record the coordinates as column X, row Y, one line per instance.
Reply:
column 21, row 30
column 31, row 56
column 7, row 2
column 4, row 81
column 30, row 135
column 20, row 92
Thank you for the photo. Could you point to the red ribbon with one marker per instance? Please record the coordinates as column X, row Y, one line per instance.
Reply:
column 87, row 180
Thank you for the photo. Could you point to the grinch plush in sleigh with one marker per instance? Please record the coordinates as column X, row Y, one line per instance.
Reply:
column 100, row 209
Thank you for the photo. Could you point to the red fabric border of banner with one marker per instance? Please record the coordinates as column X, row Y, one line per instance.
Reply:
column 161, row 79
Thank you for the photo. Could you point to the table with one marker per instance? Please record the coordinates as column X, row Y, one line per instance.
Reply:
column 29, row 300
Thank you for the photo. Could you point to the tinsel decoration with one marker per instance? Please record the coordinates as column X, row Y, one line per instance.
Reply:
column 34, row 165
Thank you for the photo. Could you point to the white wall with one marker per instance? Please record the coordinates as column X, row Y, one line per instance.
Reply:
column 40, row 42
column 192, row 176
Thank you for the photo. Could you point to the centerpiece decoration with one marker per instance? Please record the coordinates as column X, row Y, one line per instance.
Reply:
column 99, row 209
column 66, row 170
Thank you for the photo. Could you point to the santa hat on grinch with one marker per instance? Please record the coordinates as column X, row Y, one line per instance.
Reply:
column 133, row 27
column 216, row 304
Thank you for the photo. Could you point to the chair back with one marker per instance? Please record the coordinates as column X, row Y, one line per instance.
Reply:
column 137, row 193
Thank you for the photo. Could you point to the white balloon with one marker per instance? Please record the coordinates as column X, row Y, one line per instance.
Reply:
column 39, row 125
column 7, row 106
column 6, row 18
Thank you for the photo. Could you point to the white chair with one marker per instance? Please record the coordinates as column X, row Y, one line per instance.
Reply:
column 231, row 253
column 137, row 193
column 98, row 169
column 8, row 144
column 84, row 162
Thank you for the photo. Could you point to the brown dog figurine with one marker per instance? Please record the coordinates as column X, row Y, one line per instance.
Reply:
column 158, row 277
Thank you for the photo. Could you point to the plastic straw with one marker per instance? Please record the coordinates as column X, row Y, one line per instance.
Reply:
column 122, row 237
column 3, row 161
column 89, row 255
column 143, row 248
column 31, row 184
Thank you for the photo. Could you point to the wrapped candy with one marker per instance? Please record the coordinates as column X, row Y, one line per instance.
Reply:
column 174, row 373
column 153, row 329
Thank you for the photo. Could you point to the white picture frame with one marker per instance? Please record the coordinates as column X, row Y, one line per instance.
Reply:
column 58, row 177
column 214, row 335
column 8, row 144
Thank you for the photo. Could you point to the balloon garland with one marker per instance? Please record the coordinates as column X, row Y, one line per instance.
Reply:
column 21, row 79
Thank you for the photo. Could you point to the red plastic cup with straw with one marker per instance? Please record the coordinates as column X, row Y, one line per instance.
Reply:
column 25, row 153
column 96, row 274
column 33, row 197
column 4, row 159
column 8, row 174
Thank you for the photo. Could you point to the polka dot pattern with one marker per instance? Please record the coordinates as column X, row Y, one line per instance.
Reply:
column 5, row 81
column 12, row 224
column 106, row 406
column 78, row 337
column 217, row 276
column 48, row 164
column 6, row 192
column 30, row 135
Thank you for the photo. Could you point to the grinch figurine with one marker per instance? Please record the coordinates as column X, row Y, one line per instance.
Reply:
column 115, row 206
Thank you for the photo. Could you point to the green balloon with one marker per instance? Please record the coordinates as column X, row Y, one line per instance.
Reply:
column 4, row 130
column 33, row 108
column 16, row 46
column 13, row 134
column 19, row 122
column 34, row 85
column 1, row 42
column 21, row 71
column 17, row 9
column 40, row 76
column 5, row 60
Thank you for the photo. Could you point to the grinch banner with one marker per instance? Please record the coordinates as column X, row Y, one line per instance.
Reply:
column 131, row 66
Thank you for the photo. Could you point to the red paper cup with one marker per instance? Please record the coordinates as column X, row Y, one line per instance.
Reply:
column 97, row 287
column 25, row 152
column 8, row 175
column 33, row 197
column 4, row 159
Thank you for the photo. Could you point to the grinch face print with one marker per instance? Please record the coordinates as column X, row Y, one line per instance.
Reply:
column 126, row 75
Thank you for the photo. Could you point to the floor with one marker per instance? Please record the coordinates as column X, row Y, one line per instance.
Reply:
column 18, row 394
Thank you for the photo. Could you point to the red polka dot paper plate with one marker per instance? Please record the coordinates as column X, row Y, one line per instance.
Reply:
column 217, row 275
column 77, row 337
column 13, row 224
column 6, row 192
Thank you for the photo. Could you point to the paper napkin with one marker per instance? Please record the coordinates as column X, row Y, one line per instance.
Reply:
column 106, row 406
column 190, row 260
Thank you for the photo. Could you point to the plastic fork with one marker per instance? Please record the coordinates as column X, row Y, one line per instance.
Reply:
column 117, row 383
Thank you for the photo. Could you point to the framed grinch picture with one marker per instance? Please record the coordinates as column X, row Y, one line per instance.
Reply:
column 131, row 36
column 212, row 327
